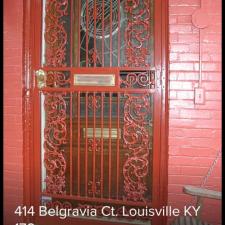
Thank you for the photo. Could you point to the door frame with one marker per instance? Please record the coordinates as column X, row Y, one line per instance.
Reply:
column 31, row 51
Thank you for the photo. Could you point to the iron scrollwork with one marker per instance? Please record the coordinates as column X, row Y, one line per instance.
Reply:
column 57, row 79
column 137, row 32
column 56, row 36
column 55, row 136
column 136, row 140
column 144, row 79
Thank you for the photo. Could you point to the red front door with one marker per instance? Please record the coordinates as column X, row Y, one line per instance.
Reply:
column 97, row 110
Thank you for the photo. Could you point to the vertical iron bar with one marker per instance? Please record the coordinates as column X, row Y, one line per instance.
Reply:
column 86, row 150
column 86, row 33
column 78, row 143
column 110, row 33
column 118, row 145
column 71, row 33
column 95, row 51
column 103, row 32
column 71, row 143
column 118, row 54
column 102, row 105
column 94, row 142
column 79, row 14
column 110, row 150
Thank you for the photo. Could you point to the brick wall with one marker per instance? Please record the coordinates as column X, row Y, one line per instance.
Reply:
column 13, row 66
column 194, row 130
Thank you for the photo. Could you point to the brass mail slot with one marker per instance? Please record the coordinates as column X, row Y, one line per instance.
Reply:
column 94, row 79
column 104, row 132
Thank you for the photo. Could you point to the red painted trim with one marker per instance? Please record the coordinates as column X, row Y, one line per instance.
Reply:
column 157, row 107
column 165, row 116
column 28, row 30
column 30, row 42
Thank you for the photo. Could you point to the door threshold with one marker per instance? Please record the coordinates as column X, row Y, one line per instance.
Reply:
column 114, row 220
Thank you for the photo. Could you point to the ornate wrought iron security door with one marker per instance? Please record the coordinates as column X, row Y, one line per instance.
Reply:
column 97, row 94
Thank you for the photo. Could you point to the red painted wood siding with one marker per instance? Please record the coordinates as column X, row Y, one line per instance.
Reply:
column 13, row 135
column 194, row 130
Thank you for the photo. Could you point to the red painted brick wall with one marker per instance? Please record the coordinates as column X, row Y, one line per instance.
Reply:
column 13, row 138
column 194, row 130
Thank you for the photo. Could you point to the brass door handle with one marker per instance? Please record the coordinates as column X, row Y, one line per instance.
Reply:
column 41, row 78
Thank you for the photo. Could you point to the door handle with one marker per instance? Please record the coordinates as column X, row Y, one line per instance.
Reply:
column 41, row 78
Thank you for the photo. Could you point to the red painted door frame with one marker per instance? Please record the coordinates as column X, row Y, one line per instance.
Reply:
column 32, row 52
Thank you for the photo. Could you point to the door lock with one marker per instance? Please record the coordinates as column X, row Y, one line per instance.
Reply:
column 41, row 78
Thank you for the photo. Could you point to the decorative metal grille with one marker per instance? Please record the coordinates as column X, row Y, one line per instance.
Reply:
column 97, row 135
column 98, row 146
column 56, row 33
column 102, row 34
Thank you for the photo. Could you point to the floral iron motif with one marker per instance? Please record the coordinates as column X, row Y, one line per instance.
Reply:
column 94, row 101
column 94, row 188
column 94, row 58
column 55, row 33
column 137, row 32
column 94, row 144
column 136, row 140
column 55, row 135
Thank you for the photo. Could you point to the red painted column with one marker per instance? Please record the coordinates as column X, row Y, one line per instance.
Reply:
column 194, row 130
column 13, row 138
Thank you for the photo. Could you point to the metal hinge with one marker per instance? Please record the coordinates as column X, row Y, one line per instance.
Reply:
column 41, row 78
column 160, row 78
